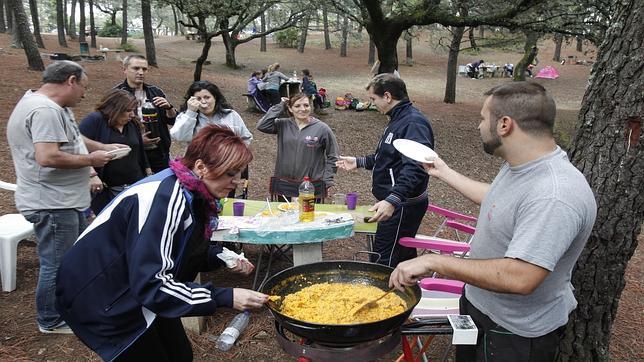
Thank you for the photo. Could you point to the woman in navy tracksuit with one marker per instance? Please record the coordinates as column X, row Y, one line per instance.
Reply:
column 124, row 285
column 396, row 179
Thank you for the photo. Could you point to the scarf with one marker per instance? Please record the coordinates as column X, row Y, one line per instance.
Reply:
column 192, row 183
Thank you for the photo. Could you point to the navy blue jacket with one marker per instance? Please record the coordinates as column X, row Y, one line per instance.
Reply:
column 131, row 265
column 397, row 178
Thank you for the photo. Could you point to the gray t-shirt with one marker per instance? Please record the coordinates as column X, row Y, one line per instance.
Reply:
column 35, row 119
column 541, row 212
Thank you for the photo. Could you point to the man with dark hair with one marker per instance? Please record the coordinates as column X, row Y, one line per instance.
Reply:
column 136, row 68
column 53, row 174
column 398, row 182
column 536, row 217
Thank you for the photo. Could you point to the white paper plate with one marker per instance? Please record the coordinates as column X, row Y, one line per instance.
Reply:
column 119, row 152
column 414, row 150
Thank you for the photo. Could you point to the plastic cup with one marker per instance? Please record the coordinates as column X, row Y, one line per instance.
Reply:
column 352, row 200
column 238, row 208
column 339, row 200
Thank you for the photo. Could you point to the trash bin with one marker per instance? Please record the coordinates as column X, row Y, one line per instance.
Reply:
column 84, row 48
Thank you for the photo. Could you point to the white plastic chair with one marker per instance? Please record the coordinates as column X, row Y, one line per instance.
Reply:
column 13, row 229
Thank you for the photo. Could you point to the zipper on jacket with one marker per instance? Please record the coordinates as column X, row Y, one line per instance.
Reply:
column 109, row 306
column 393, row 180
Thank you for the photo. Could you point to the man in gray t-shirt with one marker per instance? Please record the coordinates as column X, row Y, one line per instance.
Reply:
column 534, row 221
column 53, row 174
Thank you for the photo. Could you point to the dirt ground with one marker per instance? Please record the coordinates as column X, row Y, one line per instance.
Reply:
column 457, row 141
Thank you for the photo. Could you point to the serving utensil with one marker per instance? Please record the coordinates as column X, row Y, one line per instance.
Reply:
column 371, row 303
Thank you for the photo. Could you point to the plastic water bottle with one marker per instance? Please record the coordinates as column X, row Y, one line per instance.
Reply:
column 306, row 199
column 236, row 327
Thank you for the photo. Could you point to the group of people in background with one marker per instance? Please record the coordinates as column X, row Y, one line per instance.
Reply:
column 122, row 283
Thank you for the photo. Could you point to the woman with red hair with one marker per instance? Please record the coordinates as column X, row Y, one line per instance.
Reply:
column 124, row 285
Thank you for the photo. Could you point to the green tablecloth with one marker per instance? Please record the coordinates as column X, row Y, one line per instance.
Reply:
column 253, row 207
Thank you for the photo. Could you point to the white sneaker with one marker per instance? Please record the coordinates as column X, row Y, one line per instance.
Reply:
column 60, row 328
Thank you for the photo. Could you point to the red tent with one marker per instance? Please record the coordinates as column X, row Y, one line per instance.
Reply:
column 549, row 72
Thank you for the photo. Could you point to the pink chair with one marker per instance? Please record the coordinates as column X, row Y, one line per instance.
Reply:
column 454, row 220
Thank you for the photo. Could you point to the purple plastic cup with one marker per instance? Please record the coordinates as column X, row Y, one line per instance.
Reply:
column 352, row 200
column 238, row 208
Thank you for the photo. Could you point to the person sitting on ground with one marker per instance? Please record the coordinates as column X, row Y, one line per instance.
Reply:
column 125, row 284
column 205, row 104
column 306, row 146
column 310, row 89
column 473, row 68
column 115, row 121
column 273, row 79
column 255, row 89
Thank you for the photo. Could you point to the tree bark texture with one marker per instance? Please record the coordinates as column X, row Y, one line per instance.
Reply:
column 60, row 22
column 530, row 52
column 16, row 42
column 148, row 35
column 262, row 40
column 452, row 65
column 579, row 44
column 22, row 29
column 124, row 31
column 304, row 33
column 92, row 25
column 71, row 30
column 608, row 148
column 82, row 21
column 231, row 62
column 345, row 32
column 3, row 24
column 558, row 42
column 325, row 19
column 33, row 9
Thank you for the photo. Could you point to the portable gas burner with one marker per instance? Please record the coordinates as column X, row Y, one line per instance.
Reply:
column 307, row 350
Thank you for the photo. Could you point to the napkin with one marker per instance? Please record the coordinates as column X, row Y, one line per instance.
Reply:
column 230, row 257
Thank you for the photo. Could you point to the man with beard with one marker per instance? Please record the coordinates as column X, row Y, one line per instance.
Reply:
column 535, row 219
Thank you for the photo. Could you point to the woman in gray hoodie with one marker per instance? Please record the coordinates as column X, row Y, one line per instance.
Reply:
column 273, row 79
column 306, row 146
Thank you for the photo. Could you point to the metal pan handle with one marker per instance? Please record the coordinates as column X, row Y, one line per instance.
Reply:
column 355, row 255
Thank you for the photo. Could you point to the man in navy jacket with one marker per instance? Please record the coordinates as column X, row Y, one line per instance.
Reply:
column 399, row 183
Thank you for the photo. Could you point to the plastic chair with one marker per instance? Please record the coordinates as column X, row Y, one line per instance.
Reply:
column 13, row 229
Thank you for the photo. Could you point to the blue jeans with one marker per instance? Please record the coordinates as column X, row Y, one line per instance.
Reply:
column 56, row 231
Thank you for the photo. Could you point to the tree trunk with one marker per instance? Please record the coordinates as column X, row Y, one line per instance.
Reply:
column 558, row 42
column 372, row 52
column 146, row 16
column 124, row 31
column 608, row 148
column 60, row 23
column 176, row 20
column 530, row 52
column 8, row 11
column 66, row 16
column 71, row 30
column 345, row 31
column 16, row 41
column 385, row 36
column 452, row 65
column 33, row 8
column 481, row 32
column 81, row 24
column 3, row 24
column 92, row 25
column 202, row 31
column 22, row 29
column 325, row 19
column 470, row 35
column 113, row 18
column 579, row 44
column 207, row 43
column 409, row 57
column 305, row 30
column 262, row 26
